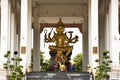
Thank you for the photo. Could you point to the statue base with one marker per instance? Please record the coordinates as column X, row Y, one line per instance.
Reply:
column 59, row 76
column 53, row 63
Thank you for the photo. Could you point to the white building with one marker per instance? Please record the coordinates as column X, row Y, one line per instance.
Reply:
column 98, row 19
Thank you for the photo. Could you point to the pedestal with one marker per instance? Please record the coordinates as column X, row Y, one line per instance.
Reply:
column 53, row 62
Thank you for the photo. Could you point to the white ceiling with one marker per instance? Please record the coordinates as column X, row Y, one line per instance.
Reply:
column 58, row 7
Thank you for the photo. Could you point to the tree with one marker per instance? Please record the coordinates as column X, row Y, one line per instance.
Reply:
column 44, row 63
column 78, row 62
column 12, row 66
column 104, row 67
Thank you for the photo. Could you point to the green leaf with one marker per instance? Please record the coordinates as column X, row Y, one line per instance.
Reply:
column 11, row 66
column 13, row 59
column 106, row 75
column 21, row 66
column 5, row 67
column 19, row 59
column 103, row 62
column 105, row 57
column 7, row 54
column 106, row 51
column 14, row 73
column 96, row 60
column 109, row 61
column 5, row 64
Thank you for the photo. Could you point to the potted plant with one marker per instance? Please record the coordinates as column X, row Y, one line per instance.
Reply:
column 14, row 70
column 102, row 71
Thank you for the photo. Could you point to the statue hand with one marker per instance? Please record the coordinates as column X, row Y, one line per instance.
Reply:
column 76, row 38
column 45, row 37
column 50, row 32
column 49, row 35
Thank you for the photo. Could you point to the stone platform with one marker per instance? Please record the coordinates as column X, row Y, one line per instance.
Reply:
column 58, row 76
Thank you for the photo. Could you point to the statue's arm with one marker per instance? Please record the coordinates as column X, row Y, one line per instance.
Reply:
column 54, row 37
column 70, row 39
column 49, row 39
column 74, row 39
column 66, row 38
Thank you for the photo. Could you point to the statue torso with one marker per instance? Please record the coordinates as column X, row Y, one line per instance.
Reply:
column 60, row 40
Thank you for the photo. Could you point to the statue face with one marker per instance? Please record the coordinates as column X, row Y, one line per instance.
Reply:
column 60, row 29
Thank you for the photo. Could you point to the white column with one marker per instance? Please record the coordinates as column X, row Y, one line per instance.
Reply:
column 36, row 40
column 85, row 44
column 107, row 33
column 36, row 49
column 92, row 30
column 13, row 34
column 5, row 37
column 36, row 44
column 18, row 33
column 103, row 29
column 25, row 33
column 0, row 33
column 9, row 25
column 113, row 21
column 29, row 41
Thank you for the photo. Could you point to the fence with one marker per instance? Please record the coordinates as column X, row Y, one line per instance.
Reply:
column 115, row 73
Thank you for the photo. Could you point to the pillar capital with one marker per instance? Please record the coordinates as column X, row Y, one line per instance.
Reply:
column 36, row 23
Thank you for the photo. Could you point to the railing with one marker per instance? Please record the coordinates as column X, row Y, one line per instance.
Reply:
column 115, row 73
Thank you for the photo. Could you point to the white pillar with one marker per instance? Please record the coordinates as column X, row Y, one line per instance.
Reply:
column 13, row 34
column 85, row 44
column 18, row 33
column 92, row 29
column 36, row 49
column 103, row 29
column 9, row 25
column 36, row 40
column 107, row 33
column 25, row 33
column 5, row 37
column 36, row 44
column 113, row 21
column 0, row 33
column 29, row 41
